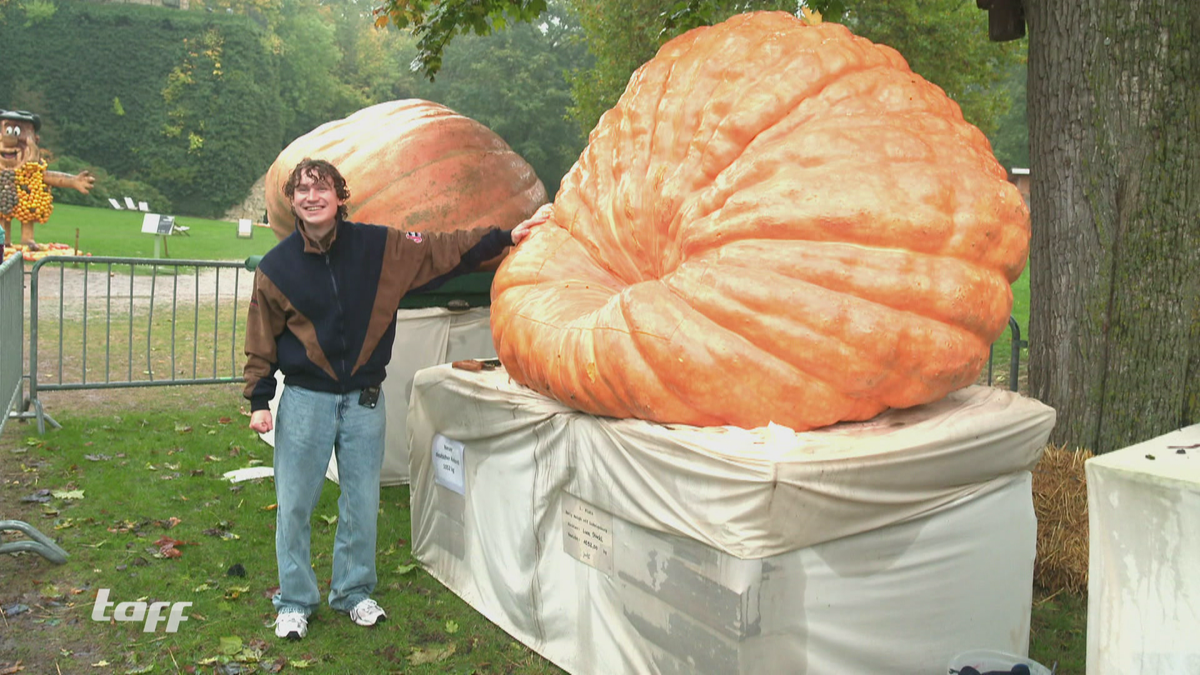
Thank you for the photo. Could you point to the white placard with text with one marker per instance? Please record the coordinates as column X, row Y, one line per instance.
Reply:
column 587, row 533
column 448, row 463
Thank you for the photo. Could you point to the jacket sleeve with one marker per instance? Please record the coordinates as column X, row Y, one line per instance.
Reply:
column 438, row 257
column 264, row 323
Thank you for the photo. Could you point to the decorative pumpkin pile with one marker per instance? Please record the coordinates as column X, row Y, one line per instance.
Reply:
column 777, row 222
column 24, row 195
column 414, row 165
column 43, row 251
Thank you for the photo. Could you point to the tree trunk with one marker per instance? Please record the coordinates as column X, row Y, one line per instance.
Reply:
column 1114, row 126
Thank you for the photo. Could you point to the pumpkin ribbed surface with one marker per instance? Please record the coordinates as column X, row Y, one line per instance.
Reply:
column 777, row 222
column 414, row 165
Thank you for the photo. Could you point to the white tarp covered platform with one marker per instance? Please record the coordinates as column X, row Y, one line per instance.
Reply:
column 621, row 546
column 1144, row 558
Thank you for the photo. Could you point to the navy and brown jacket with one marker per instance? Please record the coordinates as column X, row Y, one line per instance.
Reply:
column 324, row 312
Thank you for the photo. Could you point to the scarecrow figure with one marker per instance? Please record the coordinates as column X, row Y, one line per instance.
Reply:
column 24, row 181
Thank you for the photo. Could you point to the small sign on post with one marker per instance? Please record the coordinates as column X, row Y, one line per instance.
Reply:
column 245, row 228
column 159, row 226
column 129, row 203
column 143, row 206
column 116, row 204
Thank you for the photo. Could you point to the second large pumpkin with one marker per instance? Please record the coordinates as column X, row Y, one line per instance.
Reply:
column 414, row 165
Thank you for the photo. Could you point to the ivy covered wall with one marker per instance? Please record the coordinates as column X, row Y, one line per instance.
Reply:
column 186, row 102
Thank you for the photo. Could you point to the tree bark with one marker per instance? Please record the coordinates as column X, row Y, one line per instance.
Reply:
column 1114, row 124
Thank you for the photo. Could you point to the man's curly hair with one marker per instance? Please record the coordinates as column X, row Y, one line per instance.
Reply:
column 319, row 170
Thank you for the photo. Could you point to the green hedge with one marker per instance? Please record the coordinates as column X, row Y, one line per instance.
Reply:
column 186, row 102
column 106, row 186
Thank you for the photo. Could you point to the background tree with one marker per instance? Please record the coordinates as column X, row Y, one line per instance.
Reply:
column 514, row 82
column 1010, row 141
column 310, row 65
column 939, row 38
column 1114, row 120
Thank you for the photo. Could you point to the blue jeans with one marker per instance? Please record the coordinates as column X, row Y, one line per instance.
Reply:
column 310, row 425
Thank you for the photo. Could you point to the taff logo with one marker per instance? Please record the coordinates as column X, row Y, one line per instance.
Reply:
column 137, row 611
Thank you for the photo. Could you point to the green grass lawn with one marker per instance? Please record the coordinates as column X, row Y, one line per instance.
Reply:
column 108, row 232
column 120, row 488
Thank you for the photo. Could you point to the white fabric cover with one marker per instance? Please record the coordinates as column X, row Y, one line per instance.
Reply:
column 887, row 546
column 424, row 337
column 1144, row 561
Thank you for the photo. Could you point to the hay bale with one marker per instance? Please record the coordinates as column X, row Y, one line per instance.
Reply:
column 1060, row 503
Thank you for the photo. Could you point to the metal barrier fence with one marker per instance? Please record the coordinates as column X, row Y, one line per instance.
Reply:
column 1014, row 359
column 133, row 322
column 12, row 333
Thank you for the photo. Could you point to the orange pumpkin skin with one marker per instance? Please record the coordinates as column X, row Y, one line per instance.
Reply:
column 777, row 222
column 413, row 165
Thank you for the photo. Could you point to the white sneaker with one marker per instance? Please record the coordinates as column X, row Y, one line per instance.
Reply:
column 368, row 613
column 291, row 625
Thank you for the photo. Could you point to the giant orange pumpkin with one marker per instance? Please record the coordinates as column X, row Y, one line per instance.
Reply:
column 413, row 165
column 777, row 222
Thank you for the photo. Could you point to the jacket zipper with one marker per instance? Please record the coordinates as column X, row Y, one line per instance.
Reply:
column 337, row 298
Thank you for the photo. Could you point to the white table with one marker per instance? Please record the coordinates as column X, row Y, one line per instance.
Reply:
column 1144, row 567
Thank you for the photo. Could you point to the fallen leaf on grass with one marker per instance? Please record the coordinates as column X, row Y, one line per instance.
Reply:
column 6, row 669
column 329, row 520
column 222, row 533
column 405, row 569
column 230, row 645
column 67, row 494
column 97, row 458
column 100, row 664
column 182, row 428
column 166, row 547
column 270, row 507
column 141, row 671
column 302, row 663
column 452, row 627
column 433, row 655
column 235, row 591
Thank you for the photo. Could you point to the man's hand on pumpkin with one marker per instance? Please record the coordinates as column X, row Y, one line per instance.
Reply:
column 520, row 232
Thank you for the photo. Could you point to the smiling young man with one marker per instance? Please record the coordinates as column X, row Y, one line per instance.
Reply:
column 324, row 313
